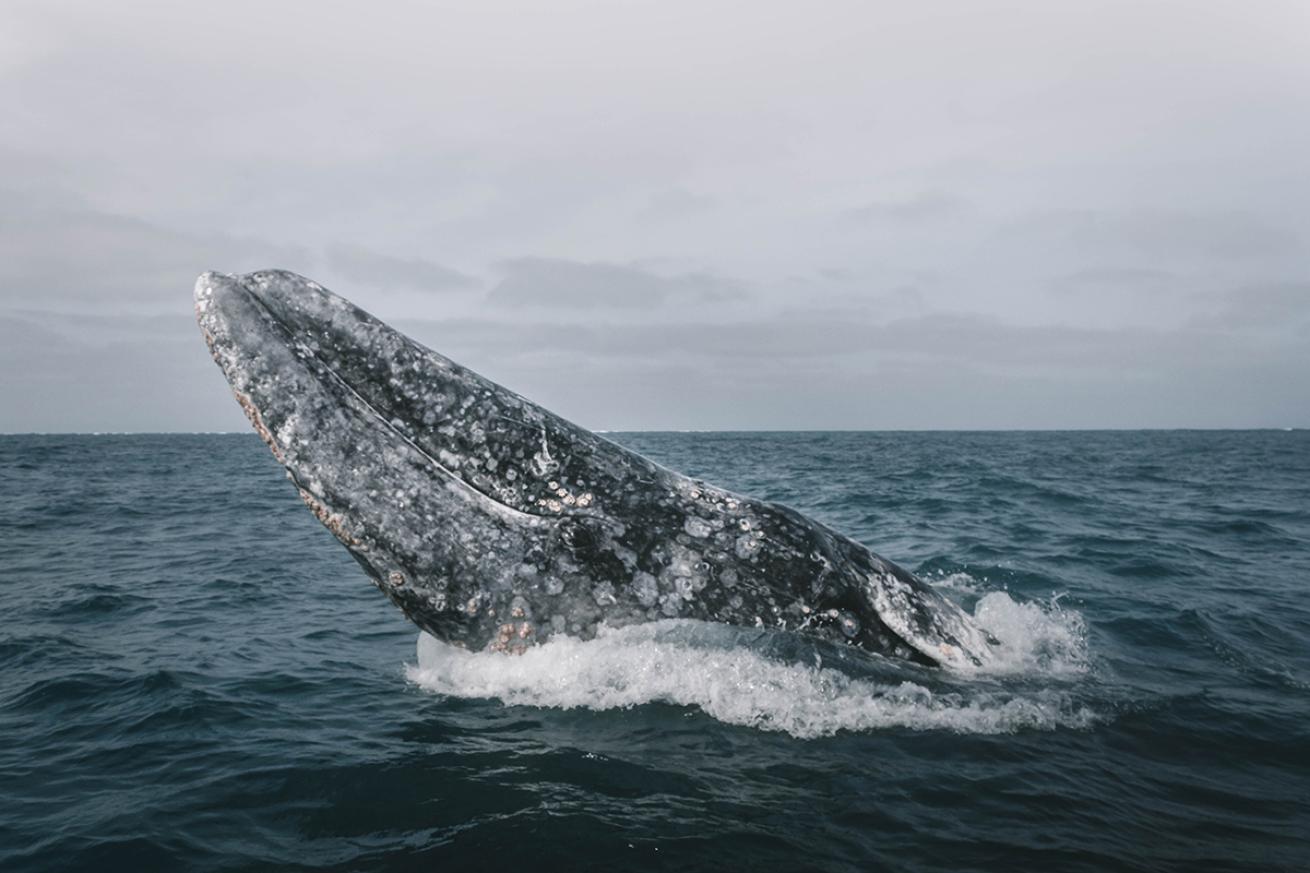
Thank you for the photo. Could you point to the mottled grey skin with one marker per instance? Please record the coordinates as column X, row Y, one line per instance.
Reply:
column 495, row 524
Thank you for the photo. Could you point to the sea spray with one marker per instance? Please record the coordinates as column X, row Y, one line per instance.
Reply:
column 700, row 665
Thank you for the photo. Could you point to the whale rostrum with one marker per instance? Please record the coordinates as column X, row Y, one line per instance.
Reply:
column 495, row 524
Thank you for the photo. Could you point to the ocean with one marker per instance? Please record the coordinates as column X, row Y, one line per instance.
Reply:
column 196, row 676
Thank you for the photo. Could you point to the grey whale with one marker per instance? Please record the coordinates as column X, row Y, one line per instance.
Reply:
column 495, row 524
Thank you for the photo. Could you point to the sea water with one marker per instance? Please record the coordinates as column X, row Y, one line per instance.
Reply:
column 197, row 676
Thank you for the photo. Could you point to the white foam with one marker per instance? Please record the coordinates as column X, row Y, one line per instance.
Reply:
column 1036, row 639
column 662, row 662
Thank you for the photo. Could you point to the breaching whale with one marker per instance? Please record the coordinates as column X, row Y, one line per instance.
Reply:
column 495, row 524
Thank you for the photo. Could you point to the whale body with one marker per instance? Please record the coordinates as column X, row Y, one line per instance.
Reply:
column 495, row 524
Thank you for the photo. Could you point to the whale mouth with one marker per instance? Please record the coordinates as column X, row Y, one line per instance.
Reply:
column 280, row 326
column 287, row 334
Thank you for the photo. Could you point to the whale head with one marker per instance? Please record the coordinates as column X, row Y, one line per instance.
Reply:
column 452, row 492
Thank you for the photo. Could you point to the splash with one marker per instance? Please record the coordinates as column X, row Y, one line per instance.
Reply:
column 1036, row 639
column 710, row 668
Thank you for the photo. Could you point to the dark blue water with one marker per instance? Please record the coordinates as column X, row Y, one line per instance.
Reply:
column 196, row 676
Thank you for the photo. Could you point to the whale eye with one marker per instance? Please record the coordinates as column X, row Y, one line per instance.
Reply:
column 578, row 538
column 850, row 626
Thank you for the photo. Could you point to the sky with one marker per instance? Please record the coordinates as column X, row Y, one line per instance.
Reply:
column 674, row 215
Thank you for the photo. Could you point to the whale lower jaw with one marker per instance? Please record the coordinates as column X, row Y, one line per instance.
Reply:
column 494, row 523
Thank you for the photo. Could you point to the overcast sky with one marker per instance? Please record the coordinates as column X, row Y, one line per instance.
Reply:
column 676, row 215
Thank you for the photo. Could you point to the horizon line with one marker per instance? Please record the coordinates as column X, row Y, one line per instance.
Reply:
column 810, row 430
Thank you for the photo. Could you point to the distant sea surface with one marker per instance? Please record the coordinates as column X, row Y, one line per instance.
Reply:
column 194, row 675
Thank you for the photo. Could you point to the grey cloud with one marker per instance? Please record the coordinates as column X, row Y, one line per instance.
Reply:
column 550, row 282
column 54, row 253
column 359, row 264
column 1103, row 278
column 25, row 337
column 672, row 204
column 1281, row 306
column 962, row 339
column 97, row 329
column 1161, row 233
column 770, row 340
column 133, row 377
column 927, row 206
column 940, row 371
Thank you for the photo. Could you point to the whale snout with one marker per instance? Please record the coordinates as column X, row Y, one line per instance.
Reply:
column 207, row 282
